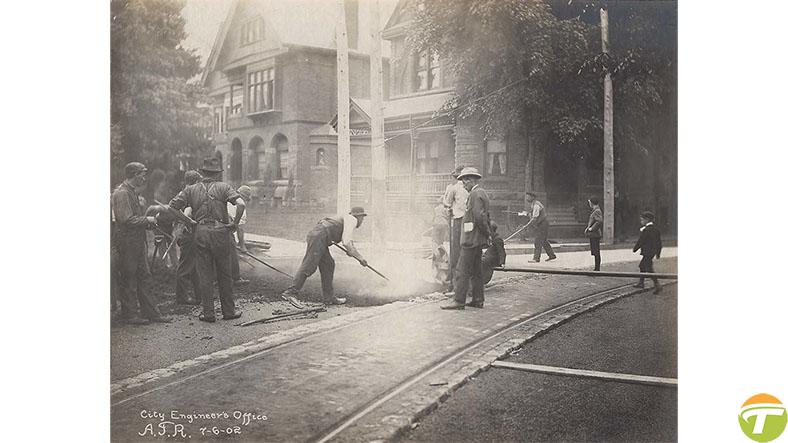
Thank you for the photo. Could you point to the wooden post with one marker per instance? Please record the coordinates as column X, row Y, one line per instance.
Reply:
column 343, row 111
column 608, row 174
column 378, row 153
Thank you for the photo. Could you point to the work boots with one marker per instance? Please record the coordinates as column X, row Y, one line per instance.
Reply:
column 291, row 296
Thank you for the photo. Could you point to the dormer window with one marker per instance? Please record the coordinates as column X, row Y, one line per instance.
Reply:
column 252, row 31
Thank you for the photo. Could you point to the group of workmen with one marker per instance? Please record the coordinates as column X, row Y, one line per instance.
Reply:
column 206, row 213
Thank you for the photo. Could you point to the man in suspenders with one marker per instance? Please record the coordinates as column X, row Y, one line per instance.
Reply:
column 336, row 229
column 208, row 200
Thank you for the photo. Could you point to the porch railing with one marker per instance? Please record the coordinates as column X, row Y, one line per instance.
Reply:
column 399, row 186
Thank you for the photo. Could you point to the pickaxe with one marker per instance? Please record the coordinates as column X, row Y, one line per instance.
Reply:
column 254, row 257
column 289, row 314
column 370, row 267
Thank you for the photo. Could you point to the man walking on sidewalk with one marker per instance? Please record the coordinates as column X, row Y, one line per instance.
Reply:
column 475, row 234
column 208, row 200
column 650, row 245
column 594, row 230
column 339, row 228
column 454, row 199
column 541, row 228
column 128, row 242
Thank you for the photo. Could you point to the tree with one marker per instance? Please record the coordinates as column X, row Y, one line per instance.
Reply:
column 517, row 65
column 538, row 65
column 155, row 97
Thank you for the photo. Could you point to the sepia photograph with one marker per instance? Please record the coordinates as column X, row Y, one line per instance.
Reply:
column 393, row 220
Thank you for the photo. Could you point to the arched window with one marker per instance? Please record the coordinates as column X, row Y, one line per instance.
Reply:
column 282, row 159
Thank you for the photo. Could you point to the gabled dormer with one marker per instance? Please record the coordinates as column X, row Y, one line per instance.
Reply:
column 412, row 73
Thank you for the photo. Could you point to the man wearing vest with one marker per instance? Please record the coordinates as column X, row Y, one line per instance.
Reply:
column 339, row 228
column 541, row 227
column 475, row 234
column 208, row 200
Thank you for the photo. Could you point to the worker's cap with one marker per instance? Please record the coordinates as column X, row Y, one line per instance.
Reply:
column 246, row 192
column 358, row 211
column 531, row 194
column 134, row 168
column 457, row 171
column 191, row 177
column 648, row 215
column 211, row 164
column 469, row 172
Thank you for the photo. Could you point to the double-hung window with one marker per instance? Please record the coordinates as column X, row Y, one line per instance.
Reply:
column 261, row 90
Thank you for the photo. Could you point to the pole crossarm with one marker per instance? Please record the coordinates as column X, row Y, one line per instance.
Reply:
column 664, row 276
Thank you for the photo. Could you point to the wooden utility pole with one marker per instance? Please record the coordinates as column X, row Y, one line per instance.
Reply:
column 412, row 181
column 608, row 174
column 343, row 111
column 378, row 153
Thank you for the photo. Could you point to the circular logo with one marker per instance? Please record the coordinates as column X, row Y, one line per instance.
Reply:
column 763, row 417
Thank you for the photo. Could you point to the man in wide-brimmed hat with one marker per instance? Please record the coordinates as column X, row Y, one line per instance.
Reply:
column 128, row 243
column 208, row 200
column 336, row 229
column 475, row 235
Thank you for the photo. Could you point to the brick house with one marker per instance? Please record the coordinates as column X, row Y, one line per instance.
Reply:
column 271, row 79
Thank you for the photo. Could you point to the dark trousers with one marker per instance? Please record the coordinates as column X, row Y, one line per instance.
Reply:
column 468, row 275
column 454, row 246
column 187, row 268
column 213, row 255
column 647, row 265
column 540, row 241
column 594, row 242
column 317, row 257
column 134, row 277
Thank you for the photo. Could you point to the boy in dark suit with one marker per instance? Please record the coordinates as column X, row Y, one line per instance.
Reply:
column 650, row 245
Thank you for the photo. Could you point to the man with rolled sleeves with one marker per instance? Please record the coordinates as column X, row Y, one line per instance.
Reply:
column 128, row 242
column 475, row 234
column 454, row 200
column 208, row 200
column 336, row 229
column 187, row 260
column 541, row 228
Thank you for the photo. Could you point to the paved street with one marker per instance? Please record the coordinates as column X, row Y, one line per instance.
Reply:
column 636, row 335
column 306, row 379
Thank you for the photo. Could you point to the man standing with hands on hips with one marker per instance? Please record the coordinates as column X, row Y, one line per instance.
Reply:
column 475, row 234
column 208, row 200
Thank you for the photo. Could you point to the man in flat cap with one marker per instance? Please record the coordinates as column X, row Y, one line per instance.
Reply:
column 208, row 200
column 336, row 229
column 128, row 241
column 475, row 234
column 541, row 227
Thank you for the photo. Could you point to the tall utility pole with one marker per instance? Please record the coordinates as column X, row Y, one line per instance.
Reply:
column 608, row 174
column 343, row 111
column 376, row 141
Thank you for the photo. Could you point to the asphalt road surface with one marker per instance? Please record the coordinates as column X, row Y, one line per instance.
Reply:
column 635, row 335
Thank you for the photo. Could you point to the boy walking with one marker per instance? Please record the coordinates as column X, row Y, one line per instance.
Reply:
column 594, row 230
column 650, row 245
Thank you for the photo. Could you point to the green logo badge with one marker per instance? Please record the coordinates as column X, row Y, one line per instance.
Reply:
column 763, row 417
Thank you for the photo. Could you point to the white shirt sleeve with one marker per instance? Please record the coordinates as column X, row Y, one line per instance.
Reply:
column 537, row 209
column 349, row 225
